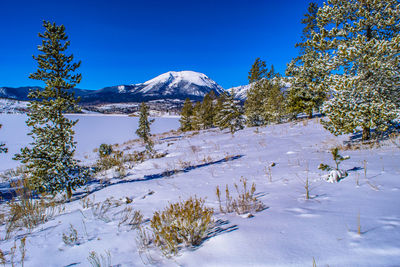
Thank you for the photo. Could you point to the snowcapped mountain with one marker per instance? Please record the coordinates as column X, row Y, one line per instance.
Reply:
column 170, row 85
column 188, row 83
column 241, row 91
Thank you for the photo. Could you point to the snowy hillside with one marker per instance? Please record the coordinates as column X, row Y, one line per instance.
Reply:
column 10, row 106
column 355, row 222
column 241, row 91
column 188, row 83
column 170, row 85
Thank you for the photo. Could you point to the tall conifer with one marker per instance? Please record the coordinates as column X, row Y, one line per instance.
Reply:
column 207, row 110
column 49, row 158
column 358, row 47
column 186, row 116
column 143, row 130
column 231, row 114
column 307, row 91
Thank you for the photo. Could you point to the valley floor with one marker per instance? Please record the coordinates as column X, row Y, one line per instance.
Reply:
column 291, row 231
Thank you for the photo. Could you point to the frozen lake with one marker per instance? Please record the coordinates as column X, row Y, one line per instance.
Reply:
column 90, row 132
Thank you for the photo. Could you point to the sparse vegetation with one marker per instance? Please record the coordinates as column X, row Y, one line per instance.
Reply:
column 100, row 260
column 246, row 201
column 70, row 238
column 182, row 223
column 335, row 173
column 26, row 212
column 109, row 158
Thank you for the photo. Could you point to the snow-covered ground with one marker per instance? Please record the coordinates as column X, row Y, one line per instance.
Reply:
column 292, row 231
column 91, row 131
column 11, row 106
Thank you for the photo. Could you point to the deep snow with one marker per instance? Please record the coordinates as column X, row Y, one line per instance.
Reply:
column 292, row 231
column 91, row 131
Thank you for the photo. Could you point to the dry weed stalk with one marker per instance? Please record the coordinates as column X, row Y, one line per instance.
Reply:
column 246, row 201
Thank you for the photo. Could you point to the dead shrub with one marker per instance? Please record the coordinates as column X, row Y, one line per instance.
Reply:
column 24, row 211
column 245, row 202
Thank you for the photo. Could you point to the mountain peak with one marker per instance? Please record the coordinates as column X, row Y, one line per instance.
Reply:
column 187, row 82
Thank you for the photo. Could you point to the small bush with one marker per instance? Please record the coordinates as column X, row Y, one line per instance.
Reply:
column 100, row 260
column 136, row 156
column 335, row 174
column 71, row 237
column 182, row 223
column 246, row 201
column 115, row 159
column 101, row 210
column 131, row 218
column 27, row 212
column 105, row 150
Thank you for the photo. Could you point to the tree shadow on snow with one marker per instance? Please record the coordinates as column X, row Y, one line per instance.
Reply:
column 99, row 184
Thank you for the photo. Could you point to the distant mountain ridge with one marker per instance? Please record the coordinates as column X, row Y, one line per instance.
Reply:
column 170, row 85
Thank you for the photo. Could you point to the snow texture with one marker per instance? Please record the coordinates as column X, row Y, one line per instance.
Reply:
column 292, row 231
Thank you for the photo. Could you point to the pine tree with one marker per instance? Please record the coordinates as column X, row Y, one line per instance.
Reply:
column 143, row 130
column 273, row 106
column 359, row 47
column 255, row 96
column 3, row 148
column 186, row 116
column 258, row 71
column 207, row 110
column 49, row 159
column 254, row 104
column 265, row 102
column 307, row 92
column 197, row 122
column 221, row 99
column 231, row 114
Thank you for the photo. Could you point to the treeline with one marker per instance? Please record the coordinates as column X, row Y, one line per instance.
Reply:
column 222, row 112
column 347, row 69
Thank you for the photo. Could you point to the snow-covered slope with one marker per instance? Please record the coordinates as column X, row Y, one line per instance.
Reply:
column 10, row 106
column 188, row 83
column 292, row 231
column 170, row 85
column 241, row 91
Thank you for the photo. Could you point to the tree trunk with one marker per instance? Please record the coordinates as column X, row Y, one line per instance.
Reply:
column 366, row 133
column 69, row 192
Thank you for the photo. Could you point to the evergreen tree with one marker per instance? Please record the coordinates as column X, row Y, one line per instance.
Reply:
column 218, row 107
column 307, row 92
column 255, row 96
column 264, row 101
column 143, row 130
column 258, row 71
column 186, row 116
column 49, row 159
column 197, row 122
column 231, row 114
column 359, row 47
column 273, row 106
column 254, row 104
column 271, row 73
column 207, row 110
column 3, row 148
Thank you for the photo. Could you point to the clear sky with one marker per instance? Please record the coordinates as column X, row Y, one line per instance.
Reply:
column 131, row 41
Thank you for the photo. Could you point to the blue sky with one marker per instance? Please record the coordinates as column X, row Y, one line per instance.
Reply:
column 125, row 42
